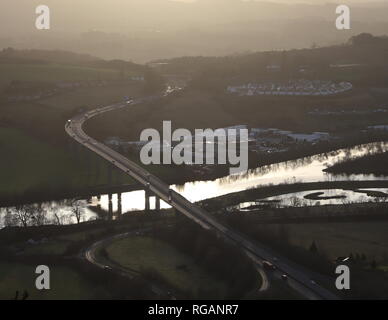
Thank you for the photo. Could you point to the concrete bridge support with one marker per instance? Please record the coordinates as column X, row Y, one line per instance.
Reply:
column 110, row 212
column 148, row 195
column 157, row 203
column 147, row 200
column 119, row 205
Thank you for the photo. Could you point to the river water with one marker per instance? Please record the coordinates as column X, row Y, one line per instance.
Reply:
column 307, row 169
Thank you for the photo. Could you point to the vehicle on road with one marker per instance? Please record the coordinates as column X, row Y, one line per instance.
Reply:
column 284, row 277
column 268, row 266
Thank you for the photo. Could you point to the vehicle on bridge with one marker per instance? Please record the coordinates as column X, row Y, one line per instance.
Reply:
column 268, row 266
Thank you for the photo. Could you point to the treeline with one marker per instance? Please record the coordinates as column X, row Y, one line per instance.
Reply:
column 371, row 164
column 279, row 240
column 365, row 53
column 153, row 81
column 34, row 56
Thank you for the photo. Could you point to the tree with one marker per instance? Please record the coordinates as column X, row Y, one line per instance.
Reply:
column 9, row 218
column 77, row 211
column 39, row 215
column 362, row 39
column 24, row 214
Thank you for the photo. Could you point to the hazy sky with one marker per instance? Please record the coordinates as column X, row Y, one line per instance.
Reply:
column 118, row 15
column 147, row 29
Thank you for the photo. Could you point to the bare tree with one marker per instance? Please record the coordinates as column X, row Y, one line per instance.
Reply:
column 9, row 218
column 24, row 214
column 57, row 220
column 77, row 211
column 39, row 215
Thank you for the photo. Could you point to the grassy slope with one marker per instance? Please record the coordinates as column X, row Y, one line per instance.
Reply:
column 341, row 239
column 64, row 282
column 27, row 163
column 141, row 253
column 34, row 158
column 88, row 97
column 53, row 72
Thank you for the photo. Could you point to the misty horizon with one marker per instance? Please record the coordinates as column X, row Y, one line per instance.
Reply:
column 142, row 31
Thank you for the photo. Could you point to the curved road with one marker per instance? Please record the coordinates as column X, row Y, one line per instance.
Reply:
column 298, row 277
column 90, row 255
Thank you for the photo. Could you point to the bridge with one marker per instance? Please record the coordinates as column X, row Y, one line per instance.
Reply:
column 298, row 278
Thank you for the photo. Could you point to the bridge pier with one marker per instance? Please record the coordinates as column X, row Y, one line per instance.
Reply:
column 110, row 212
column 147, row 200
column 157, row 203
column 148, row 195
column 119, row 205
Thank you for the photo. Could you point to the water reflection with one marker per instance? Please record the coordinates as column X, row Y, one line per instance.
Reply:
column 130, row 201
column 308, row 169
column 316, row 198
column 53, row 212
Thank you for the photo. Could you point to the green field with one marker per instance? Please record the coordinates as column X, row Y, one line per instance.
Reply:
column 35, row 155
column 53, row 72
column 341, row 239
column 64, row 282
column 141, row 253
column 28, row 164
column 51, row 248
column 94, row 97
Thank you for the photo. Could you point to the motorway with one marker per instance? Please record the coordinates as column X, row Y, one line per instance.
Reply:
column 299, row 278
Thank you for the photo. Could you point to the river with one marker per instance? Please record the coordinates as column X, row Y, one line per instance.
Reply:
column 307, row 169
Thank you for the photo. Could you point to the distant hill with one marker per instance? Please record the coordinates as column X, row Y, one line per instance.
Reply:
column 40, row 56
column 362, row 58
column 144, row 30
column 33, row 56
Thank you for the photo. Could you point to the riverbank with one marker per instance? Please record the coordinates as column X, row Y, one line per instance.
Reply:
column 54, row 195
column 179, row 175
column 275, row 190
column 372, row 164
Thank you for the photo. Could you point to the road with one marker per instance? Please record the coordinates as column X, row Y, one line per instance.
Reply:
column 90, row 255
column 298, row 277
